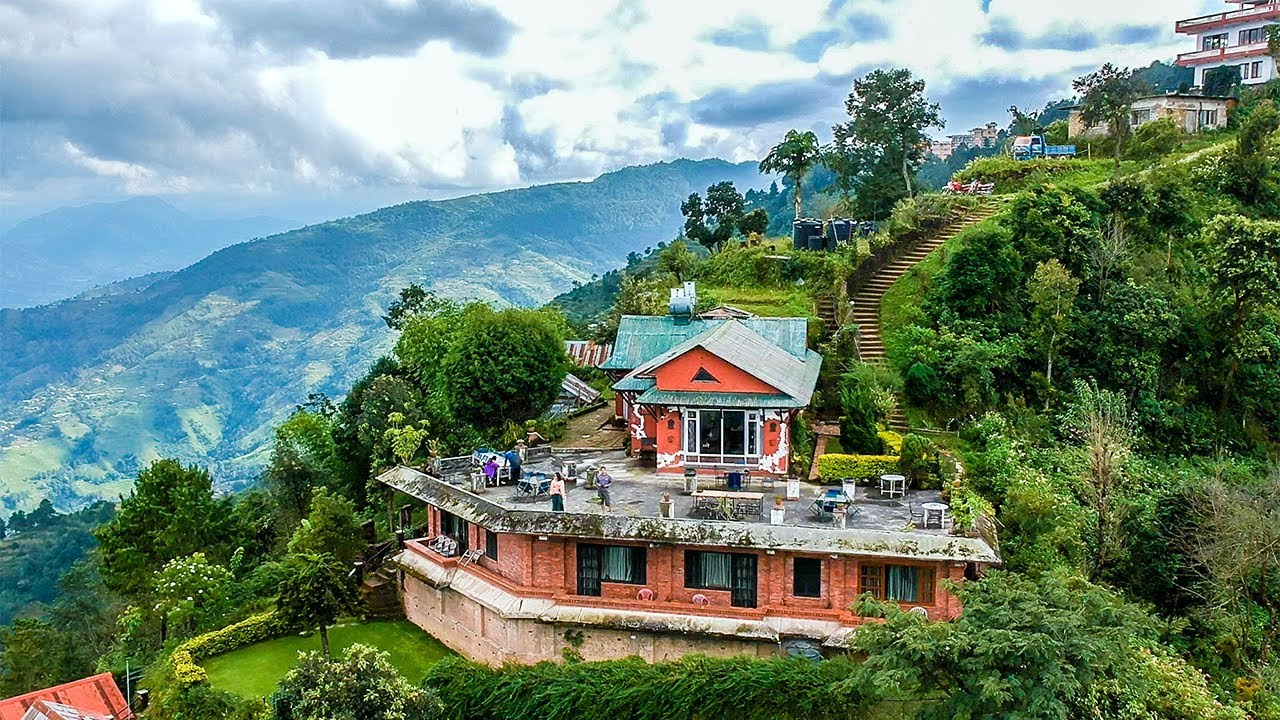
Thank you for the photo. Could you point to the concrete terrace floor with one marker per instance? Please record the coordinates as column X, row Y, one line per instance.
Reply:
column 637, row 490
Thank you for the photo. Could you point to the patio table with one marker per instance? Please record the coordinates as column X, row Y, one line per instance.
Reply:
column 741, row 504
column 935, row 510
column 893, row 485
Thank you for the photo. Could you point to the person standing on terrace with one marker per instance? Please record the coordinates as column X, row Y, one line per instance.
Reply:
column 557, row 493
column 603, row 482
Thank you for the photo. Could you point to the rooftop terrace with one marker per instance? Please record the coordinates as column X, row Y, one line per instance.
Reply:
column 880, row 526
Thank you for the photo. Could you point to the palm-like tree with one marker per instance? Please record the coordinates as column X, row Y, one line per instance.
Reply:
column 794, row 157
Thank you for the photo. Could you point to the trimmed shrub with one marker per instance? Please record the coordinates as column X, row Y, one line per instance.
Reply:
column 892, row 441
column 253, row 629
column 694, row 686
column 833, row 468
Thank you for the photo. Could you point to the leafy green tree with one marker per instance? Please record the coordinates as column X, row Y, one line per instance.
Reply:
column 1101, row 424
column 363, row 685
column 505, row 365
column 918, row 459
column 170, row 513
column 1051, row 647
column 1108, row 94
column 794, row 157
column 331, row 528
column 889, row 114
column 983, row 280
column 1052, row 290
column 315, row 593
column 678, row 260
column 695, row 220
column 858, row 419
column 1222, row 81
column 1252, row 179
column 1243, row 260
column 34, row 656
column 414, row 300
column 303, row 458
column 405, row 439
column 190, row 594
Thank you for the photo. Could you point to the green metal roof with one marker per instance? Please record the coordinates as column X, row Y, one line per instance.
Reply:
column 633, row 384
column 742, row 347
column 654, row 396
column 641, row 338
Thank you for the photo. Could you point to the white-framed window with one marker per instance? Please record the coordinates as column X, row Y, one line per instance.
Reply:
column 1214, row 42
column 1208, row 118
column 717, row 437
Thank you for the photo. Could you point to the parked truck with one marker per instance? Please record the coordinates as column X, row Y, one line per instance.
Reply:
column 1026, row 147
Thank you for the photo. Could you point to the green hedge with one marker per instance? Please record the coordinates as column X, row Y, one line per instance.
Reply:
column 692, row 687
column 251, row 630
column 833, row 468
column 892, row 441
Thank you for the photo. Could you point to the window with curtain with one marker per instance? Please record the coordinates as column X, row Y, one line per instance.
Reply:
column 456, row 528
column 707, row 570
column 617, row 563
column 898, row 583
column 806, row 577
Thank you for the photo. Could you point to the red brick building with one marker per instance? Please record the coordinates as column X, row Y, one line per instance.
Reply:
column 523, row 583
column 712, row 393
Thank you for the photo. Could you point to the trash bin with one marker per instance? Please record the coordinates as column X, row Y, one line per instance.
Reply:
column 690, row 481
column 733, row 481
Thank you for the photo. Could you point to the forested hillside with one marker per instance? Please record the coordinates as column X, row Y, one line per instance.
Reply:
column 69, row 250
column 200, row 363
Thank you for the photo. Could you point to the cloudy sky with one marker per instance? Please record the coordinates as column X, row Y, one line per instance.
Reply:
column 303, row 106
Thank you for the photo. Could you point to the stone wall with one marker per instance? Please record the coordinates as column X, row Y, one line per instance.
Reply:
column 480, row 634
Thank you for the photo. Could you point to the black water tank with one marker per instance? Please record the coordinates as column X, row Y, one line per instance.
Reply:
column 802, row 231
column 816, row 240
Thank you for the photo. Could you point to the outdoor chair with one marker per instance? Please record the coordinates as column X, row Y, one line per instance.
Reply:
column 470, row 557
column 917, row 516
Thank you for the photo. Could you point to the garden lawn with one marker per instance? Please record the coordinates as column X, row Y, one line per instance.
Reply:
column 256, row 670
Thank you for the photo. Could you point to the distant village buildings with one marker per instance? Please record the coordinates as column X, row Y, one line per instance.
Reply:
column 987, row 136
column 1232, row 38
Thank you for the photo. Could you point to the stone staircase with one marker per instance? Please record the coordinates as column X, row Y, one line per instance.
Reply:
column 378, row 595
column 827, row 314
column 866, row 302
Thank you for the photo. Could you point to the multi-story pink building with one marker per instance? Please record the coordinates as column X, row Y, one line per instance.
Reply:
column 1236, row 38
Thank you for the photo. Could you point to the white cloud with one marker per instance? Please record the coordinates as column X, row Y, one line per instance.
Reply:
column 182, row 96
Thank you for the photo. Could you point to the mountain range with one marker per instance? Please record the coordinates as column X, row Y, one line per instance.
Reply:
column 199, row 364
column 69, row 250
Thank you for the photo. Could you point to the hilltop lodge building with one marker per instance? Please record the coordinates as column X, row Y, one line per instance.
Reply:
column 498, row 576
column 706, row 394
column 1236, row 38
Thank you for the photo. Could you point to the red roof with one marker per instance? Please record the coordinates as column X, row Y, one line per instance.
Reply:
column 586, row 353
column 92, row 695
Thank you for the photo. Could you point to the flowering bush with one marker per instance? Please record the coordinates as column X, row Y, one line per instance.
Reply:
column 191, row 593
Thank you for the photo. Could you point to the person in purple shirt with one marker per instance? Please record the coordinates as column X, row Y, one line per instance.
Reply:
column 603, row 482
column 490, row 470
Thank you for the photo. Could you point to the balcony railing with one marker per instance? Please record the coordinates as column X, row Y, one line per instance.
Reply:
column 1260, row 12
column 1223, row 53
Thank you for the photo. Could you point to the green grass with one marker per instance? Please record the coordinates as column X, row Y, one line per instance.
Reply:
column 766, row 302
column 256, row 670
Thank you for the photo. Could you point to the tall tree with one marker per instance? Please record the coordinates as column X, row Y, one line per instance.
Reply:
column 315, row 593
column 1108, row 94
column 1244, row 271
column 505, row 365
column 889, row 113
column 1100, row 423
column 170, row 513
column 331, row 528
column 678, row 260
column 1052, row 290
column 794, row 157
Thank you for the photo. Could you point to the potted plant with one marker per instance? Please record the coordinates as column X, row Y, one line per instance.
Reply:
column 778, row 514
column 666, row 508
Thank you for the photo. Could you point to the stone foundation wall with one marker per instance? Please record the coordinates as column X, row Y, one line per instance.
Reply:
column 480, row 634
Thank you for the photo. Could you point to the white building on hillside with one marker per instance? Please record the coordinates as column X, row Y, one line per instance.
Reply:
column 1236, row 38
